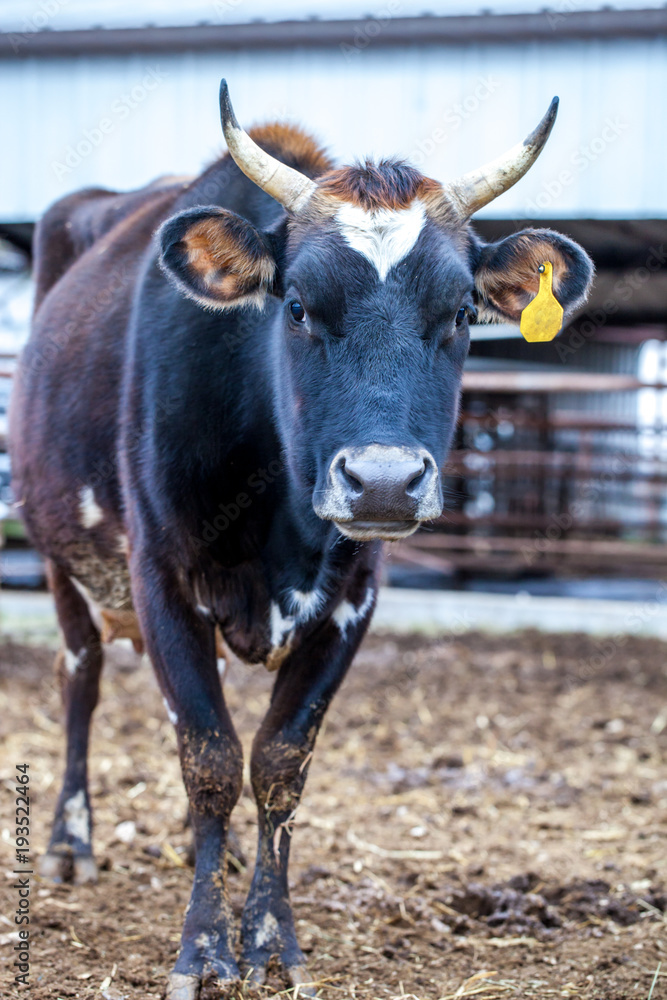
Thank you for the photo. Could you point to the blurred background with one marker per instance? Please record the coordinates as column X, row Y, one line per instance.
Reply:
column 557, row 481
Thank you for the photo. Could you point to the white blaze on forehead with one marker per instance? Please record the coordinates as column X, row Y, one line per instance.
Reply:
column 91, row 512
column 77, row 817
column 384, row 236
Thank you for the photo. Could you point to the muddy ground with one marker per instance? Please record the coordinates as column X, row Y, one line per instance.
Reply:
column 485, row 816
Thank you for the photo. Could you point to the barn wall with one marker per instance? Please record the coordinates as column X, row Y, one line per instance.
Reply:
column 449, row 108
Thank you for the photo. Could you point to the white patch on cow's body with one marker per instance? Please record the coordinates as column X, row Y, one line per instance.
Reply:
column 267, row 931
column 384, row 236
column 305, row 604
column 281, row 627
column 91, row 512
column 74, row 660
column 77, row 817
column 93, row 608
column 346, row 614
column 173, row 718
column 282, row 633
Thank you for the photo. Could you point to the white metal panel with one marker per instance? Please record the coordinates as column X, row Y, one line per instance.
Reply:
column 447, row 108
column 60, row 15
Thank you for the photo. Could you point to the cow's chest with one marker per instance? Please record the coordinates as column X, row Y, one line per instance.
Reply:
column 264, row 625
column 260, row 626
column 259, row 622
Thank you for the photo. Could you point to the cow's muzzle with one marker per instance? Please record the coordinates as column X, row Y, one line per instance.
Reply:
column 380, row 491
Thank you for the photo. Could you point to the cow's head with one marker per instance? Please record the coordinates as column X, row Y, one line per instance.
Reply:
column 378, row 274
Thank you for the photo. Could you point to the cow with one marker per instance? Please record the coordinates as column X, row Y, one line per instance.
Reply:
column 236, row 388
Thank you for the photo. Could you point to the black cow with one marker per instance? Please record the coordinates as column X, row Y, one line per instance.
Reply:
column 236, row 387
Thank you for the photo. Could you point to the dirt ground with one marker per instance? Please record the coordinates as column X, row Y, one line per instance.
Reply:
column 485, row 816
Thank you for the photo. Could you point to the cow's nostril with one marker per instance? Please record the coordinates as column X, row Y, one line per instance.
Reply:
column 354, row 482
column 419, row 480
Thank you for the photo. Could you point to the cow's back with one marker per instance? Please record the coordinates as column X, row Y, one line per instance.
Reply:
column 90, row 249
column 74, row 223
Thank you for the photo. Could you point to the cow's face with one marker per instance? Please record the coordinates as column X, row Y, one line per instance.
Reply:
column 377, row 276
column 373, row 335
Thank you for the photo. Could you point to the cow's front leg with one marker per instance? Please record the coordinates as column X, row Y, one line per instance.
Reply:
column 281, row 754
column 182, row 648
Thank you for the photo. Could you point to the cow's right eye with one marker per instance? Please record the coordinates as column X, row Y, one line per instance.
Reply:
column 297, row 311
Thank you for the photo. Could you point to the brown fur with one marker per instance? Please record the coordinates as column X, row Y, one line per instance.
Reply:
column 121, row 625
column 514, row 283
column 376, row 186
column 296, row 147
column 226, row 266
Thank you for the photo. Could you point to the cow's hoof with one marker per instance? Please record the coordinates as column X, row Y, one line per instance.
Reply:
column 216, row 978
column 267, row 931
column 85, row 869
column 182, row 987
column 297, row 975
column 68, row 867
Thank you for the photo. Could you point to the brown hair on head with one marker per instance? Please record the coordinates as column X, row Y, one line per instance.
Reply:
column 293, row 146
column 387, row 184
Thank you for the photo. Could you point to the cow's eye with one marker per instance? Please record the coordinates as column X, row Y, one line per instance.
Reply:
column 297, row 311
column 461, row 315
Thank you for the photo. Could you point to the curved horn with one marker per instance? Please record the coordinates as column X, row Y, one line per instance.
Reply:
column 477, row 188
column 289, row 187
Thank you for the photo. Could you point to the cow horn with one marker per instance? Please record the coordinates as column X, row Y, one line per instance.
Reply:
column 289, row 187
column 477, row 188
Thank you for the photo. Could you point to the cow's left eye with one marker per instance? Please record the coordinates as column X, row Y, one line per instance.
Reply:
column 297, row 311
column 461, row 315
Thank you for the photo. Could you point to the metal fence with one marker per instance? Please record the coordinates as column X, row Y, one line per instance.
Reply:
column 535, row 487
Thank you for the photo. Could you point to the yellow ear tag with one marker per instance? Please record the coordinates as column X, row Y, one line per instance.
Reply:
column 542, row 318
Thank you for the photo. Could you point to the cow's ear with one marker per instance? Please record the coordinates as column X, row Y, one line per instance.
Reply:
column 217, row 258
column 507, row 276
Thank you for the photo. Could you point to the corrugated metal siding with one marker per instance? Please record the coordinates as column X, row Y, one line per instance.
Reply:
column 375, row 101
